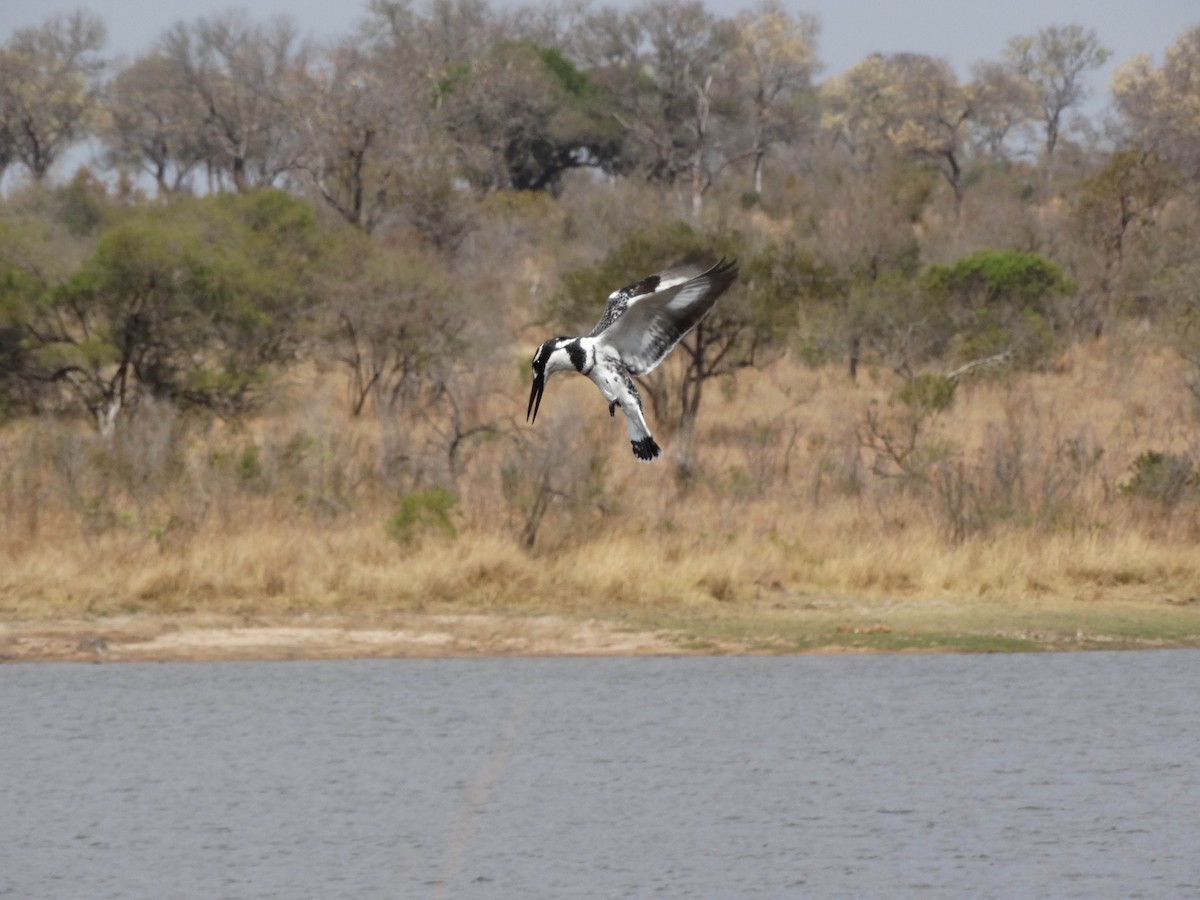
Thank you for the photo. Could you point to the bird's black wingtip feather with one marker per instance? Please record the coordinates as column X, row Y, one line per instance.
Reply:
column 723, row 272
column 724, row 265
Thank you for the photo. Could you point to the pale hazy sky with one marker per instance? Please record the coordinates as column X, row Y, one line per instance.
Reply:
column 962, row 31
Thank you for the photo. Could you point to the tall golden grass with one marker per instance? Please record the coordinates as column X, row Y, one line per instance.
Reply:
column 782, row 519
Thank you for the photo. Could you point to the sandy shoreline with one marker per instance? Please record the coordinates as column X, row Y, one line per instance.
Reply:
column 197, row 637
column 185, row 639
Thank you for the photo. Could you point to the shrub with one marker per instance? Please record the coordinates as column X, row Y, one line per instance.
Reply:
column 928, row 394
column 1164, row 477
column 1000, row 301
column 423, row 511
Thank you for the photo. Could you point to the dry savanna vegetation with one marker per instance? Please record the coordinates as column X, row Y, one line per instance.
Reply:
column 278, row 380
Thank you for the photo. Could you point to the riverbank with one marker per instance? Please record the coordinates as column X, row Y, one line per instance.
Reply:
column 823, row 627
column 152, row 638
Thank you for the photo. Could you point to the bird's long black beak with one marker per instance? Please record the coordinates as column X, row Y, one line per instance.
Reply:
column 535, row 397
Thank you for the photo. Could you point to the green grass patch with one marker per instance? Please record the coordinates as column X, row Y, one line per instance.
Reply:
column 892, row 642
column 986, row 629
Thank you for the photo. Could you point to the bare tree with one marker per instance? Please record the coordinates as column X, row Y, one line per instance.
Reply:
column 1118, row 203
column 351, row 123
column 151, row 123
column 870, row 198
column 665, row 63
column 1001, row 102
column 609, row 44
column 49, row 89
column 689, row 47
column 245, row 77
column 390, row 319
column 777, row 60
column 551, row 470
column 1055, row 62
column 1158, row 106
column 906, row 102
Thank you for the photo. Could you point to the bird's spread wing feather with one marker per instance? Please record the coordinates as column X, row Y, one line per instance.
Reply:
column 651, row 321
column 620, row 300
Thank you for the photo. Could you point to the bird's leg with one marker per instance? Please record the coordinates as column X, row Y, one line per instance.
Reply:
column 612, row 408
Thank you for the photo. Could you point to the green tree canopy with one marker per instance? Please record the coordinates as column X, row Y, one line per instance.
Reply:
column 1000, row 302
column 193, row 301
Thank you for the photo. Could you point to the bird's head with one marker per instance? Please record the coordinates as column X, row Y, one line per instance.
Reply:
column 554, row 355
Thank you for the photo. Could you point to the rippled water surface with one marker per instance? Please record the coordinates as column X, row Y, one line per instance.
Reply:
column 1065, row 775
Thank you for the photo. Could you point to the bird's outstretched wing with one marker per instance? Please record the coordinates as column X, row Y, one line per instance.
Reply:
column 656, row 312
column 620, row 300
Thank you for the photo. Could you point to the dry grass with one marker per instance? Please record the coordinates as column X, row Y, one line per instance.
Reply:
column 783, row 538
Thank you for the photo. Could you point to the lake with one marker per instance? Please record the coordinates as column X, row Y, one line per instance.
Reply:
column 1025, row 775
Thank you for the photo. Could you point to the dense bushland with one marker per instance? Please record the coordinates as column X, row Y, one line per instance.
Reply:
column 276, row 353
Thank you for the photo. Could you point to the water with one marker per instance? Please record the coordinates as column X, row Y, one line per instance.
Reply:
column 1072, row 775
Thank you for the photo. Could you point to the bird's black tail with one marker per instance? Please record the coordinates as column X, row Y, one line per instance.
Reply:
column 646, row 449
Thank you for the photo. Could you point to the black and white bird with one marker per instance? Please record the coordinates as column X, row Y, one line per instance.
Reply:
column 639, row 326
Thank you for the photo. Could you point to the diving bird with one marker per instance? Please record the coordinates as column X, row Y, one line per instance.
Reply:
column 640, row 324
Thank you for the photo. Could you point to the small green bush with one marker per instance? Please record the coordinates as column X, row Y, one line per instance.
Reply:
column 249, row 463
column 423, row 511
column 928, row 394
column 1164, row 477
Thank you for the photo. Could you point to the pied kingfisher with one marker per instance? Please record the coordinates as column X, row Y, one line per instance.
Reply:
column 639, row 326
